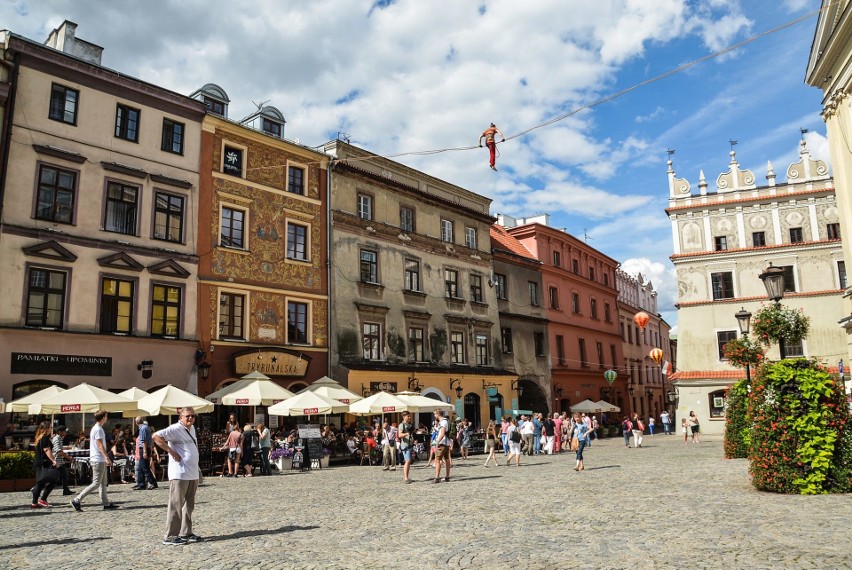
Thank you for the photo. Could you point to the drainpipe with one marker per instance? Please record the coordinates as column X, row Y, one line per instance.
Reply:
column 7, row 135
column 328, row 249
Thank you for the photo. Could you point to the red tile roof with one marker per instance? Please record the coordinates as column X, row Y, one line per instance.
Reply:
column 765, row 198
column 720, row 374
column 501, row 239
column 761, row 248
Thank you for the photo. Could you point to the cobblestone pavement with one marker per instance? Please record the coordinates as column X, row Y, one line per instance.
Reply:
column 666, row 505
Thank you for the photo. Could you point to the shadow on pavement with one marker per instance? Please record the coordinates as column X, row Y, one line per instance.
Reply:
column 250, row 533
column 465, row 478
column 55, row 541
column 28, row 513
column 602, row 467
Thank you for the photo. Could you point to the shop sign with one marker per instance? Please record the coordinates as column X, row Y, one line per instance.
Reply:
column 383, row 387
column 68, row 408
column 241, row 402
column 386, row 409
column 310, row 411
column 272, row 363
column 61, row 364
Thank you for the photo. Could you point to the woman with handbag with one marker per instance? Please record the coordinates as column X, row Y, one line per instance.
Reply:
column 491, row 443
column 46, row 467
column 513, row 434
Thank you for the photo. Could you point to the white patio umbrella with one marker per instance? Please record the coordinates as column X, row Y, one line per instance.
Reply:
column 586, row 407
column 168, row 399
column 607, row 407
column 216, row 396
column 133, row 393
column 22, row 405
column 256, row 392
column 329, row 388
column 378, row 403
column 307, row 404
column 418, row 403
column 83, row 399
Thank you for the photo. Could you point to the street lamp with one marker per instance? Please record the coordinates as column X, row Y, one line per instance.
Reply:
column 773, row 280
column 558, row 391
column 457, row 383
column 414, row 383
column 516, row 385
column 204, row 370
column 744, row 319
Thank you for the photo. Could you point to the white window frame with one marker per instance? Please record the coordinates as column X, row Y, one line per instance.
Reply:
column 447, row 230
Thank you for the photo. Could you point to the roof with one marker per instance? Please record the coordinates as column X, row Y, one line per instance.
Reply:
column 703, row 205
column 501, row 239
column 722, row 374
column 759, row 248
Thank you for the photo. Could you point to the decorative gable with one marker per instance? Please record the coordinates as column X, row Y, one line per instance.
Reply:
column 169, row 267
column 120, row 260
column 50, row 250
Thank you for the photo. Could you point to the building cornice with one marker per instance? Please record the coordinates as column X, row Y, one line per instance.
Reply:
column 720, row 201
column 726, row 253
column 738, row 300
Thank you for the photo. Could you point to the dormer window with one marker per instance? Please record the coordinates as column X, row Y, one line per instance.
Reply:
column 215, row 107
column 215, row 98
column 271, row 127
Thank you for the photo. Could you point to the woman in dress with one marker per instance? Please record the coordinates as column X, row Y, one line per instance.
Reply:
column 514, row 446
column 491, row 443
column 46, row 467
column 233, row 447
column 581, row 431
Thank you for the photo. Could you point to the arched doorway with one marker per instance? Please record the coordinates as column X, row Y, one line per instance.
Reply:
column 471, row 409
column 425, row 418
column 532, row 397
column 493, row 404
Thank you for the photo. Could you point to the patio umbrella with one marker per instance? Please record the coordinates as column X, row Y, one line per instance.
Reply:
column 418, row 403
column 607, row 407
column 133, row 393
column 216, row 396
column 307, row 404
column 83, row 398
column 167, row 400
column 256, row 392
column 22, row 405
column 378, row 403
column 586, row 407
column 329, row 388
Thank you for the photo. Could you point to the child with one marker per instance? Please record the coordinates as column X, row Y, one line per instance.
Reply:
column 684, row 429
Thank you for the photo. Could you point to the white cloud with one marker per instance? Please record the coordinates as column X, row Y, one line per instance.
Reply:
column 650, row 116
column 662, row 276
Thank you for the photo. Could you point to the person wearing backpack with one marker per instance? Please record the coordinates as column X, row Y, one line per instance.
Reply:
column 514, row 437
column 638, row 428
column 626, row 428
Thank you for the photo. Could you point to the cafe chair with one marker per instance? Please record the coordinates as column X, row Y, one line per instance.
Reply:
column 365, row 453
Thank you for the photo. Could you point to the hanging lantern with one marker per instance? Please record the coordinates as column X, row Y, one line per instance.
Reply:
column 609, row 376
column 656, row 355
column 641, row 319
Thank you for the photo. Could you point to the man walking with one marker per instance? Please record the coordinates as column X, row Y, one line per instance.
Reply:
column 99, row 461
column 406, row 441
column 549, row 433
column 488, row 135
column 389, row 434
column 442, row 454
column 667, row 422
column 144, row 478
column 527, row 431
column 62, row 458
column 180, row 442
column 536, row 433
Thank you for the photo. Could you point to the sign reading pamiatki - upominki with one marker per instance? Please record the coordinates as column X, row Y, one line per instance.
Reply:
column 64, row 364
column 272, row 363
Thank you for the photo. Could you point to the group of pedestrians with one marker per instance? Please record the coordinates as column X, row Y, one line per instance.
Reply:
column 241, row 447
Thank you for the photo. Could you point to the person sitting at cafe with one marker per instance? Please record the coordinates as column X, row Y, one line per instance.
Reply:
column 121, row 457
column 352, row 447
column 83, row 440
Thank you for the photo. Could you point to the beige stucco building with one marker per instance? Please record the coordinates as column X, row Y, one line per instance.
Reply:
column 723, row 240
column 99, row 193
column 410, row 278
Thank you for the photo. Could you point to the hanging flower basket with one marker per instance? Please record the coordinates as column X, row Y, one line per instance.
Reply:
column 775, row 322
column 743, row 351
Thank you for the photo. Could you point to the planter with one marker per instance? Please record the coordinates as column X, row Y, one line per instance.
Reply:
column 324, row 461
column 284, row 464
column 14, row 485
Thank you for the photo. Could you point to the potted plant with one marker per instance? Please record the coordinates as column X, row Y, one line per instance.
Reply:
column 282, row 457
column 740, row 352
column 16, row 471
column 774, row 322
column 326, row 453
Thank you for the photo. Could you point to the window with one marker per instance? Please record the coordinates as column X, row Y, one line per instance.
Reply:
column 538, row 343
column 165, row 310
column 365, row 207
column 717, row 403
column 457, row 347
column 120, row 215
column 406, row 219
column 369, row 266
column 215, row 107
column 232, row 161
column 231, row 227
column 55, row 197
column 592, row 273
column 758, row 239
column 296, row 180
column 297, row 322
column 46, row 298
column 794, row 350
column 446, row 230
column 416, row 345
column 270, row 127
column 372, row 334
column 476, row 288
column 557, row 259
column 607, row 313
column 584, row 361
column 451, row 283
column 623, row 337
column 575, row 303
column 63, row 104
column 721, row 243
column 470, row 237
column 554, row 297
column 796, row 235
column 506, row 340
column 172, row 136
column 412, row 275
column 168, row 217
column 297, row 242
column 481, row 342
column 500, row 285
column 116, row 306
column 833, row 231
column 231, row 308
column 789, row 279
column 533, row 287
column 593, row 305
column 126, row 123
column 606, row 279
column 638, row 342
column 599, row 347
column 560, row 350
column 575, row 266
column 841, row 274
column 722, row 285
column 612, row 354
column 722, row 338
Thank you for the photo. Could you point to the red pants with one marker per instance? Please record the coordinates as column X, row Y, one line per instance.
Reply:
column 492, row 148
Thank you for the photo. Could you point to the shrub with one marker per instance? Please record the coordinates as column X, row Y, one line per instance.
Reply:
column 737, row 435
column 800, row 438
column 17, row 465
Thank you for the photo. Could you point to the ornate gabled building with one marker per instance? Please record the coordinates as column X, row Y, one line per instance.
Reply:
column 99, row 192
column 410, row 278
column 724, row 238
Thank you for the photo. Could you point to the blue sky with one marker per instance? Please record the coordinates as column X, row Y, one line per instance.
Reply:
column 408, row 75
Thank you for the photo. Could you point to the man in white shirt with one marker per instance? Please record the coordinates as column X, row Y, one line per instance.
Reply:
column 180, row 442
column 442, row 454
column 99, row 461
column 527, row 431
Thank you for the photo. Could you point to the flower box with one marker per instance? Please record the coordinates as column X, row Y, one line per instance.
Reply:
column 283, row 463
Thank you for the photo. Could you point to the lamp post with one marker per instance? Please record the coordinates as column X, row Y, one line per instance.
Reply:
column 744, row 319
column 516, row 385
column 773, row 280
column 457, row 383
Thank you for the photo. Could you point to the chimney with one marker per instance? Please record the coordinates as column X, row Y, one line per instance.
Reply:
column 65, row 40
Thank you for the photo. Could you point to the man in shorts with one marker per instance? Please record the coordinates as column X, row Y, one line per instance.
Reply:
column 406, row 444
column 442, row 454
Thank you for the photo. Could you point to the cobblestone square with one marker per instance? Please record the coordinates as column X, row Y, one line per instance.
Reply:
column 666, row 505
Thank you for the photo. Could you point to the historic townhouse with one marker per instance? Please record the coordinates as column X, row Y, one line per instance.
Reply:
column 99, row 192
column 723, row 240
column 578, row 290
column 262, row 292
column 523, row 326
column 641, row 385
column 415, row 307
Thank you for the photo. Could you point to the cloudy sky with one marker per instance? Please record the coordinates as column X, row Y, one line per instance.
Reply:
column 401, row 76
